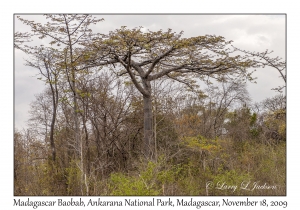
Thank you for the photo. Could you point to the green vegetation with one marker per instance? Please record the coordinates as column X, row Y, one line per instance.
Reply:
column 219, row 162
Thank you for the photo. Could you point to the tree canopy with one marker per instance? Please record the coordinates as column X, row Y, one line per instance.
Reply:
column 147, row 56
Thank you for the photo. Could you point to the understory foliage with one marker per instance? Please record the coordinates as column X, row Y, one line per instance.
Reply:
column 199, row 162
column 145, row 113
column 185, row 165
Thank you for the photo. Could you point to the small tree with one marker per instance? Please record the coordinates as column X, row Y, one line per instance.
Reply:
column 46, row 60
column 65, row 33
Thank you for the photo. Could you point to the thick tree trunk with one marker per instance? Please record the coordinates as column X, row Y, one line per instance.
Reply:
column 148, row 128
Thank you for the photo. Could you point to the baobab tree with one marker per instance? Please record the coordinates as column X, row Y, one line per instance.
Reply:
column 147, row 56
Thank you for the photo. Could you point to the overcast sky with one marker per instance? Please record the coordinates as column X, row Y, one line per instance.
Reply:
column 248, row 32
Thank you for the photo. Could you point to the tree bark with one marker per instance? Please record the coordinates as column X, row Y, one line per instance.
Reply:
column 148, row 128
